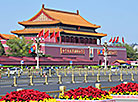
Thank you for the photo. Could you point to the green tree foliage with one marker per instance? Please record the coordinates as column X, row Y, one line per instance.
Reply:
column 131, row 53
column 19, row 46
column 2, row 51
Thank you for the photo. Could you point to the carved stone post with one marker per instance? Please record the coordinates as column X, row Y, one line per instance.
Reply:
column 14, row 81
column 46, row 80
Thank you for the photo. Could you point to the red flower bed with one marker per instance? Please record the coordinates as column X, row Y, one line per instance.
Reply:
column 25, row 95
column 125, row 89
column 89, row 93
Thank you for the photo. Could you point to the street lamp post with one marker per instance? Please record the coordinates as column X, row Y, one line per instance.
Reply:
column 105, row 54
column 37, row 51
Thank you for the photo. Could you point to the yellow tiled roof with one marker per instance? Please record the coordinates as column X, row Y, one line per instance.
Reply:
column 60, row 16
column 120, row 61
column 36, row 31
column 7, row 36
column 38, row 22
column 85, row 33
column 69, row 18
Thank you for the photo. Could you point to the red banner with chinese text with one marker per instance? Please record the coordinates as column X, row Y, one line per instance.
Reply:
column 72, row 51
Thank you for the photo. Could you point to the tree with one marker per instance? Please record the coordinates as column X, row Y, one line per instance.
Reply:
column 131, row 53
column 19, row 46
column 2, row 51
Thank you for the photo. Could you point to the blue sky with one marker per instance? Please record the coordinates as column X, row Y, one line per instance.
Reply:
column 117, row 17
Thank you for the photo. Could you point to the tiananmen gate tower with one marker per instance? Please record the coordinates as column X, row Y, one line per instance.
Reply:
column 79, row 42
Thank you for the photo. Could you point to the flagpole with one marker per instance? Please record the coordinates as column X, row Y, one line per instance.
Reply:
column 59, row 37
column 49, row 35
column 54, row 36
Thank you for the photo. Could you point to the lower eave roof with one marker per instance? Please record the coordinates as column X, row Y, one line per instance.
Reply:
column 84, row 33
column 36, row 31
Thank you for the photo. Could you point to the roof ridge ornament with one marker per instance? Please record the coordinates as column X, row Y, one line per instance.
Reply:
column 43, row 5
column 77, row 12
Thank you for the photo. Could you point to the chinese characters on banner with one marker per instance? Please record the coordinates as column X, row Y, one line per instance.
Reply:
column 109, row 52
column 73, row 51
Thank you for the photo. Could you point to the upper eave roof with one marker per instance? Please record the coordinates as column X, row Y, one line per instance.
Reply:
column 39, row 23
column 56, row 16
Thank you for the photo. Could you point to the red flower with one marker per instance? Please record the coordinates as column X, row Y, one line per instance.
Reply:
column 25, row 95
column 90, row 92
column 131, row 87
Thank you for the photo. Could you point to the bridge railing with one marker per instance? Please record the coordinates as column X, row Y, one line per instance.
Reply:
column 82, row 75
